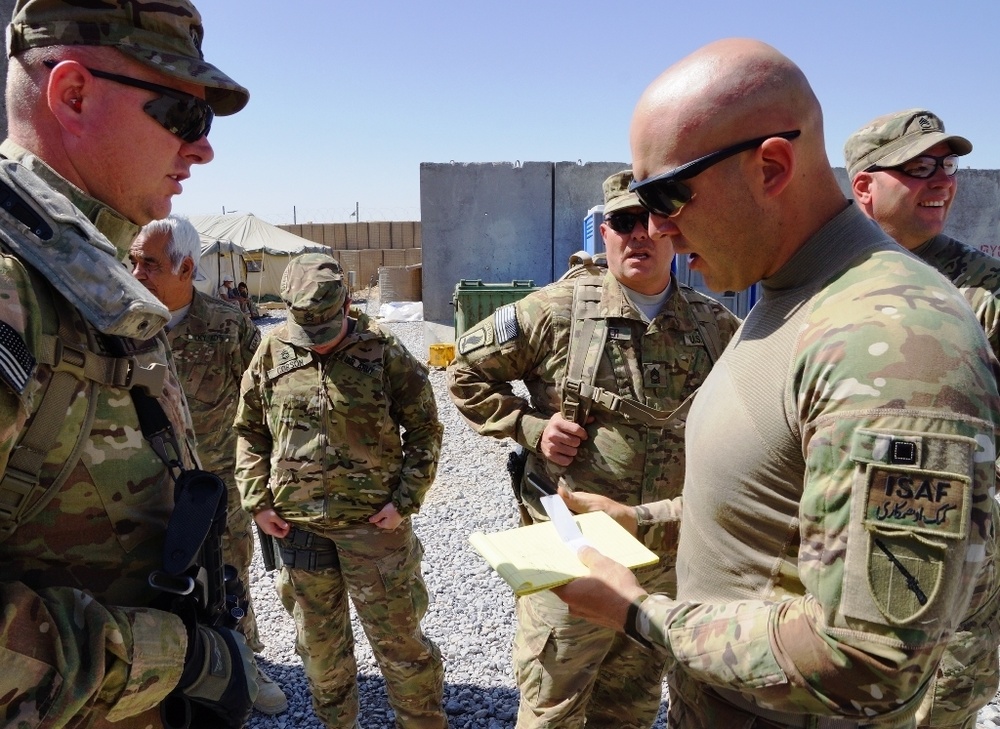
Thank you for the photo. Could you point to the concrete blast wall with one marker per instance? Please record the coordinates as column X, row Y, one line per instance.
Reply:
column 504, row 221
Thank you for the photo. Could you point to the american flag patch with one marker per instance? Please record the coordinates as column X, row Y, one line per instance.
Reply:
column 16, row 362
column 505, row 323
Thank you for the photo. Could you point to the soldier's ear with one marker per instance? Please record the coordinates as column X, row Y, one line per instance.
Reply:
column 186, row 271
column 67, row 95
column 861, row 186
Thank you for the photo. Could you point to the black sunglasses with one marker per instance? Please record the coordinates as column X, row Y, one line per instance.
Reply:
column 923, row 166
column 624, row 223
column 666, row 194
column 182, row 114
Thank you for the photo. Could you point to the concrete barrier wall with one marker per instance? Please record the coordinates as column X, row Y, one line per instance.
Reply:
column 504, row 221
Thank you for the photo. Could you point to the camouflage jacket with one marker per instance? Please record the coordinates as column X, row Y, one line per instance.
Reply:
column 659, row 363
column 974, row 273
column 831, row 548
column 80, row 640
column 212, row 347
column 319, row 436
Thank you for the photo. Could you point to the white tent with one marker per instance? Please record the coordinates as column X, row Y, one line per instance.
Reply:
column 267, row 249
column 220, row 259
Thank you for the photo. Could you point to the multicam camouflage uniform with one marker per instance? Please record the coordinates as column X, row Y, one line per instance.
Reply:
column 821, row 574
column 968, row 675
column 319, row 441
column 80, row 641
column 212, row 346
column 568, row 670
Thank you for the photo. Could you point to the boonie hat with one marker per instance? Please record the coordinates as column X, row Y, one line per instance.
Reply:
column 616, row 194
column 893, row 139
column 313, row 289
column 165, row 35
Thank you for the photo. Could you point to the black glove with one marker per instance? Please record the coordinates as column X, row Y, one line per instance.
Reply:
column 219, row 683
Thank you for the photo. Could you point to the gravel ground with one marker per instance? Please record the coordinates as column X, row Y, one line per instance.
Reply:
column 471, row 614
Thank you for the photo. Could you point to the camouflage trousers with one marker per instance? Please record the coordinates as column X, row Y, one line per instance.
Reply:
column 572, row 673
column 237, row 550
column 380, row 570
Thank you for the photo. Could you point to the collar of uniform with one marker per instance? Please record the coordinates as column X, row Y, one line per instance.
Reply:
column 843, row 239
column 930, row 246
column 615, row 303
column 117, row 229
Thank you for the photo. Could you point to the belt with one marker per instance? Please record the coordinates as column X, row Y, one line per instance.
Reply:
column 785, row 718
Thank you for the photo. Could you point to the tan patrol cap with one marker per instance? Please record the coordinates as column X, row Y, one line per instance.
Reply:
column 165, row 35
column 893, row 139
column 313, row 289
column 616, row 194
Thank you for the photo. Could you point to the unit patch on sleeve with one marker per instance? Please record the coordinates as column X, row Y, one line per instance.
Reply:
column 918, row 502
column 16, row 362
column 479, row 337
column 505, row 323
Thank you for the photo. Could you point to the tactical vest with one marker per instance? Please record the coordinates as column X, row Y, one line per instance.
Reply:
column 588, row 337
column 69, row 274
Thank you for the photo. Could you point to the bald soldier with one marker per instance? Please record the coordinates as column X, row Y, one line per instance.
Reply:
column 830, row 546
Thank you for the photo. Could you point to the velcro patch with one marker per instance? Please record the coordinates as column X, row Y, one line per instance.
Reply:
column 288, row 366
column 918, row 501
column 479, row 337
column 16, row 362
column 505, row 324
column 694, row 339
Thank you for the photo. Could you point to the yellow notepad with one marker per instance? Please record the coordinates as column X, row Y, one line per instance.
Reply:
column 534, row 558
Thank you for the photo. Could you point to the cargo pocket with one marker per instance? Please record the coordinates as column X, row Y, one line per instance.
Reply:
column 404, row 585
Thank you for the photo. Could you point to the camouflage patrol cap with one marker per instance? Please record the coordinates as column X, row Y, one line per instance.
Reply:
column 313, row 289
column 893, row 139
column 165, row 35
column 616, row 194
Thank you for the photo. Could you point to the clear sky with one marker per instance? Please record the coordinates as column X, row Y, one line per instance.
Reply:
column 348, row 97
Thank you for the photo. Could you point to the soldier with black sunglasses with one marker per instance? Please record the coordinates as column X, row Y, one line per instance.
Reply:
column 607, row 359
column 837, row 519
column 109, row 106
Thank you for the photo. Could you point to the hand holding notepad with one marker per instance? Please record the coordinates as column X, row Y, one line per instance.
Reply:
column 537, row 557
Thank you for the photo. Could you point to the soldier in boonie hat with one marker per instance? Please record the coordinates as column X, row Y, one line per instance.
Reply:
column 896, row 138
column 165, row 36
column 314, row 291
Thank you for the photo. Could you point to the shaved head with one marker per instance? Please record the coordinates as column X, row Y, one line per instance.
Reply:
column 725, row 92
column 749, row 212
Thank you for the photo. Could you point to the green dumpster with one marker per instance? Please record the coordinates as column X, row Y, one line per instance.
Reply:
column 474, row 300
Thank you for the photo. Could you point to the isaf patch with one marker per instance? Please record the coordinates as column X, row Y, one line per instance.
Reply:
column 477, row 338
column 16, row 362
column 933, row 504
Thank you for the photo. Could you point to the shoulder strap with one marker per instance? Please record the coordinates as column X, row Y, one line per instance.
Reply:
column 71, row 355
column 21, row 493
column 708, row 325
column 587, row 336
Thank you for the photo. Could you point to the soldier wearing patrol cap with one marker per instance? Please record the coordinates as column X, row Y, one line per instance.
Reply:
column 837, row 503
column 903, row 169
column 109, row 105
column 324, row 468
column 645, row 339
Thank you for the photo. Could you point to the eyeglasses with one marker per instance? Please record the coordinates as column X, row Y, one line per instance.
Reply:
column 624, row 223
column 923, row 166
column 182, row 114
column 666, row 194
